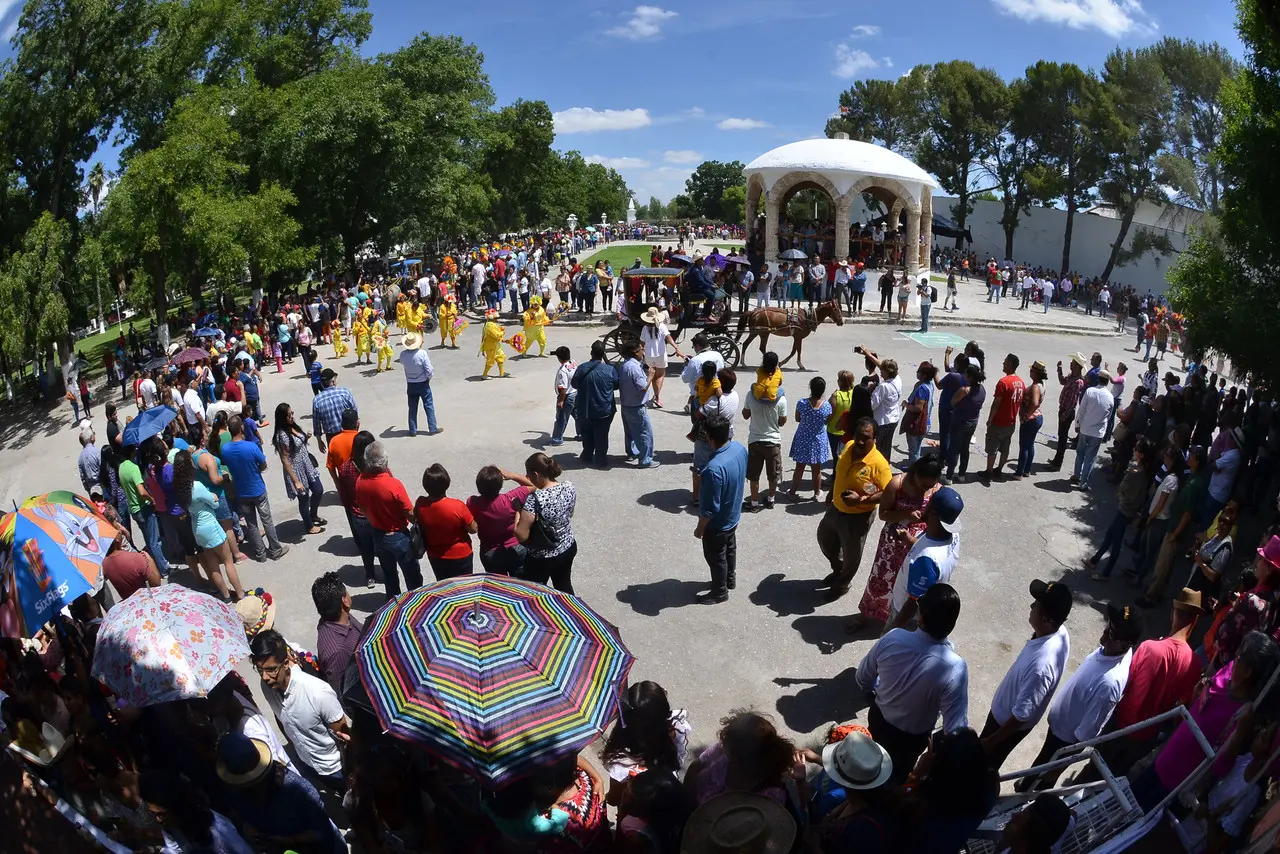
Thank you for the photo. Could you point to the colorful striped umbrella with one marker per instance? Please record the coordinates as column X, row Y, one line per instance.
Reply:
column 494, row 675
column 51, row 551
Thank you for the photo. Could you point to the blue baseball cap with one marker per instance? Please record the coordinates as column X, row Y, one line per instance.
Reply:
column 948, row 505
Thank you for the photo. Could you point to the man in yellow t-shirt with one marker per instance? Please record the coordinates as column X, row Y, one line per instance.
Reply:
column 862, row 473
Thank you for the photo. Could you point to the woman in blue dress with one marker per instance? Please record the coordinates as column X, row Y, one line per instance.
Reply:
column 809, row 445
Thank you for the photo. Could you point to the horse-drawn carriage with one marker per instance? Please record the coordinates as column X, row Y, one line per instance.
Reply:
column 687, row 308
column 667, row 286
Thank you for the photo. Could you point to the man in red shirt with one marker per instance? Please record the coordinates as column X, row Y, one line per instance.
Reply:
column 129, row 571
column 390, row 512
column 1162, row 674
column 1003, row 418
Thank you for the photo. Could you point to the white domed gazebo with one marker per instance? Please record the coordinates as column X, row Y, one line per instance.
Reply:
column 844, row 169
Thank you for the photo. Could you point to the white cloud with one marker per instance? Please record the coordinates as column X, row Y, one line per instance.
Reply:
column 697, row 113
column 741, row 124
column 865, row 31
column 683, row 156
column 852, row 61
column 588, row 120
column 1115, row 18
column 617, row 162
column 644, row 24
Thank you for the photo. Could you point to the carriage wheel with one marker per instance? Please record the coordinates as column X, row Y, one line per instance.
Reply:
column 727, row 348
column 614, row 342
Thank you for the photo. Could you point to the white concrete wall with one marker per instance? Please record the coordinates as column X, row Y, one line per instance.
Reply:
column 1038, row 241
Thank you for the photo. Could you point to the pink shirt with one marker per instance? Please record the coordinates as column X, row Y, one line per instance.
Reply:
column 496, row 518
column 1213, row 711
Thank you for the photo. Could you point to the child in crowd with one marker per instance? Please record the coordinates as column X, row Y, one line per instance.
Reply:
column 707, row 387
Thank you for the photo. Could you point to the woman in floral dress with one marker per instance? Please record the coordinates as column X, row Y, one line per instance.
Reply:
column 810, row 446
column 902, row 511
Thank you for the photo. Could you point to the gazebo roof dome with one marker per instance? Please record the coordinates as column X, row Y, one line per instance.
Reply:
column 839, row 156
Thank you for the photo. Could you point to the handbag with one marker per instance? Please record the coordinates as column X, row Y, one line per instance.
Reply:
column 416, row 541
column 540, row 536
column 916, row 422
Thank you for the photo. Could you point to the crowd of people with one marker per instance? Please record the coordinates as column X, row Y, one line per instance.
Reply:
column 1188, row 454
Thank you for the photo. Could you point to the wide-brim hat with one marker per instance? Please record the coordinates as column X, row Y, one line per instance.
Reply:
column 857, row 762
column 1079, row 359
column 1271, row 552
column 1189, row 600
column 1040, row 366
column 412, row 341
column 257, row 610
column 654, row 315
column 739, row 822
column 242, row 761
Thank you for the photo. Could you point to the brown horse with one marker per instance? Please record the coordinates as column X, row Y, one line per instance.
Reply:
column 793, row 323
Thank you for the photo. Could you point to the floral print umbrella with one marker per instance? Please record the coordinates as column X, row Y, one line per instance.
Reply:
column 168, row 643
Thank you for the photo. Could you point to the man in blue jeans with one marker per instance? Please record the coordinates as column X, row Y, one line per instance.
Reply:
column 386, row 505
column 245, row 462
column 566, row 398
column 595, row 383
column 633, row 388
column 417, row 376
column 720, row 509
column 1091, row 424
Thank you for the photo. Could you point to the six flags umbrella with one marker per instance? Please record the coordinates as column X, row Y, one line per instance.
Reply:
column 167, row 643
column 50, row 553
column 494, row 675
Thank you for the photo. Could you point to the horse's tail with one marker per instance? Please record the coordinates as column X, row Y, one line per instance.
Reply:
column 742, row 323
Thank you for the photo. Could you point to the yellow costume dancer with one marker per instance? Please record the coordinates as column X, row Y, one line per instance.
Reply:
column 403, row 307
column 535, row 321
column 447, row 315
column 339, row 346
column 382, row 342
column 360, row 331
column 491, row 344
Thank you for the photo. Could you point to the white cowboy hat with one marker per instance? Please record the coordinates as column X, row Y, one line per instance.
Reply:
column 654, row 315
column 739, row 822
column 857, row 762
column 412, row 341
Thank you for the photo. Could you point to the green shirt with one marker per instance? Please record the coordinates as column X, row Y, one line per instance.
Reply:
column 1189, row 500
column 130, row 479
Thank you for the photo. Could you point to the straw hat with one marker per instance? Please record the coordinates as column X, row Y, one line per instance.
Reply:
column 257, row 611
column 1079, row 359
column 412, row 341
column 654, row 315
column 242, row 761
column 739, row 823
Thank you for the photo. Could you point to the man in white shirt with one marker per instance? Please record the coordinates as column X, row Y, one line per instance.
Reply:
column 221, row 406
column 1025, row 692
column 1046, row 289
column 930, row 561
column 765, row 419
column 566, row 397
column 1086, row 701
column 693, row 367
column 306, row 708
column 1029, row 286
column 916, row 676
column 1092, row 414
column 477, row 281
column 817, row 281
column 147, row 392
column 192, row 411
column 424, row 287
column 886, row 403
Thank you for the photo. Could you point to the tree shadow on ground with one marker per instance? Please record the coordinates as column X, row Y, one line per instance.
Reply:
column 674, row 501
column 821, row 700
column 787, row 597
column 21, row 424
column 653, row 598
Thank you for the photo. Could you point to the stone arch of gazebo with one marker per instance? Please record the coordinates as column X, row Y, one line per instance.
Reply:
column 844, row 169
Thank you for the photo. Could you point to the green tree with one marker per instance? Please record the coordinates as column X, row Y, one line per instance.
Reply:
column 733, row 204
column 91, row 276
column 962, row 106
column 1068, row 119
column 33, row 310
column 607, row 194
column 1137, row 167
column 705, row 187
column 888, row 112
column 680, row 207
column 517, row 153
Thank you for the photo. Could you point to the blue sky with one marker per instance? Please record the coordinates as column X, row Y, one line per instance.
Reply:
column 653, row 90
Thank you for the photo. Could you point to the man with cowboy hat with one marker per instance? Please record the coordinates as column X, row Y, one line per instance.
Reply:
column 1072, row 389
column 417, row 376
column 738, row 822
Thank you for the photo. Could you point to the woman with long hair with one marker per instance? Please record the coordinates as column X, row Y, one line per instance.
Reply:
column 182, row 810
column 211, row 472
column 651, row 817
column 552, row 548
column 902, row 511
column 749, row 756
column 1030, row 419
column 648, row 735
column 214, row 546
column 175, row 524
column 112, row 491
column 301, row 477
column 810, row 445
column 955, row 788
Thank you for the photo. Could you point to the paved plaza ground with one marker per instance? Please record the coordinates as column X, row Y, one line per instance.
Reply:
column 776, row 646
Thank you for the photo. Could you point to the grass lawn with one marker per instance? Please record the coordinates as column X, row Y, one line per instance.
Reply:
column 622, row 257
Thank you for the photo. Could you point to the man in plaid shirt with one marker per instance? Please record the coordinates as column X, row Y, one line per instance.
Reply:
column 1072, row 388
column 327, row 408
